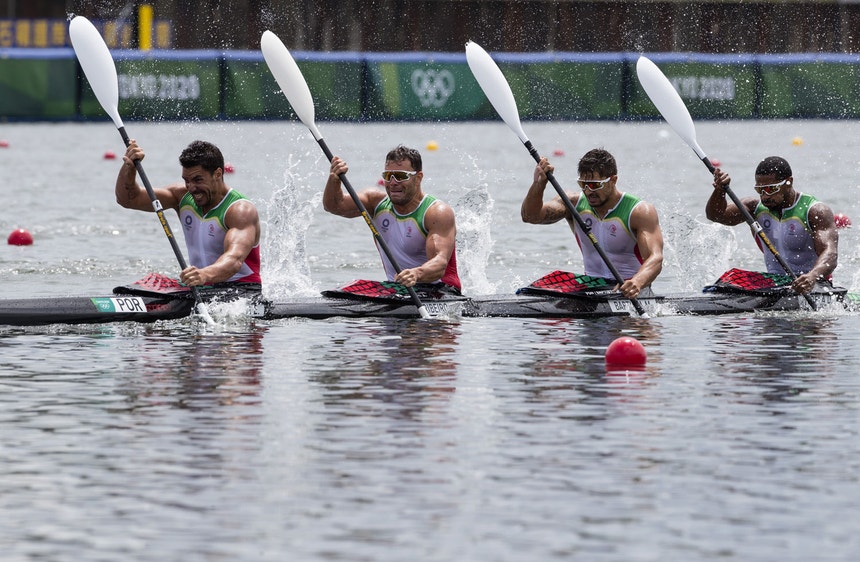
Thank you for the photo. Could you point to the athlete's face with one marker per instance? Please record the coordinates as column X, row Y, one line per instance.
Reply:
column 775, row 194
column 596, row 188
column 403, row 194
column 202, row 185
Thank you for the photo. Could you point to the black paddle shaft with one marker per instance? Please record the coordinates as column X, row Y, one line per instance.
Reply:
column 758, row 231
column 363, row 210
column 584, row 226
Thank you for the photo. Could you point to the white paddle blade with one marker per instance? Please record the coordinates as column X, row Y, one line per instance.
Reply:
column 290, row 79
column 495, row 86
column 98, row 65
column 668, row 102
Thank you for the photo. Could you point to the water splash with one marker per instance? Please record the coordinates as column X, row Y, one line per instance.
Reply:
column 474, row 239
column 285, row 268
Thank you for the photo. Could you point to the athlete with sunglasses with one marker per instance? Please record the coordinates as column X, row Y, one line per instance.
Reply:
column 626, row 228
column 800, row 227
column 419, row 229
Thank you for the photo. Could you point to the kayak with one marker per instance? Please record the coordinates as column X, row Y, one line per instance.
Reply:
column 556, row 295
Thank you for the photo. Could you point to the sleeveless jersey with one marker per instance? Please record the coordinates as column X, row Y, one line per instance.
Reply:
column 790, row 235
column 204, row 236
column 406, row 237
column 614, row 236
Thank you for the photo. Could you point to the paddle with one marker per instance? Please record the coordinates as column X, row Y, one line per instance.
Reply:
column 498, row 91
column 289, row 77
column 675, row 112
column 99, row 68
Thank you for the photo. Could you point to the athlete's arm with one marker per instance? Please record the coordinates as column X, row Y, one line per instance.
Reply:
column 533, row 209
column 339, row 202
column 131, row 195
column 645, row 225
column 719, row 209
column 826, row 240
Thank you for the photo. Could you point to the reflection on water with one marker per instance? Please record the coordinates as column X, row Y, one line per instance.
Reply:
column 393, row 368
column 783, row 356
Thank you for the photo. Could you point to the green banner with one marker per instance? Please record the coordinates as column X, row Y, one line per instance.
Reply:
column 37, row 88
column 813, row 89
column 566, row 90
column 448, row 91
column 422, row 91
column 251, row 92
column 156, row 89
column 170, row 85
column 710, row 90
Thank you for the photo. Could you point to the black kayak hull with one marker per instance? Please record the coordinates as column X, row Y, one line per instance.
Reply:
column 133, row 308
column 92, row 310
column 545, row 306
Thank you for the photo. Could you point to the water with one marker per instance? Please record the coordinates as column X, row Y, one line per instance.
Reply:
column 471, row 439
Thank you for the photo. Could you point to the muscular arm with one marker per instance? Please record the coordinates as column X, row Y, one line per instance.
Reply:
column 131, row 195
column 721, row 210
column 649, row 237
column 339, row 202
column 243, row 233
column 441, row 239
column 533, row 209
column 826, row 240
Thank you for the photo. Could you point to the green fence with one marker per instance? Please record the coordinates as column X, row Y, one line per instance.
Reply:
column 46, row 84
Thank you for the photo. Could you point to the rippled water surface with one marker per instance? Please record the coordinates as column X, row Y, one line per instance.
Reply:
column 470, row 439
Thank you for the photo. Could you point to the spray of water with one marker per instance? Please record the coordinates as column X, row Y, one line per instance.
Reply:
column 285, row 267
column 474, row 237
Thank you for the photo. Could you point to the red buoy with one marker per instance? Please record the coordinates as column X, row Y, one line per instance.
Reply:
column 4, row 143
column 110, row 155
column 842, row 221
column 558, row 152
column 20, row 237
column 228, row 168
column 626, row 351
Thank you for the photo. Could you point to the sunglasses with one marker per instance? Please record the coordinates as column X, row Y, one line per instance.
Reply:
column 397, row 175
column 592, row 185
column 771, row 188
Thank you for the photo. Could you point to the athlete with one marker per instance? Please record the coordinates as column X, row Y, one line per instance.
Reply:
column 800, row 227
column 221, row 226
column 627, row 229
column 419, row 230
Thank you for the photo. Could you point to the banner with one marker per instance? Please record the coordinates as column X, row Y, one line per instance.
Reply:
column 163, row 89
column 409, row 88
column 810, row 90
column 169, row 85
column 251, row 92
column 711, row 90
column 38, row 88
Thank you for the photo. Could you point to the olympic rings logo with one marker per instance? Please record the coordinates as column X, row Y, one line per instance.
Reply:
column 433, row 87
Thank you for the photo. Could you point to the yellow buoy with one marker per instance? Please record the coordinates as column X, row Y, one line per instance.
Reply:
column 797, row 141
column 432, row 145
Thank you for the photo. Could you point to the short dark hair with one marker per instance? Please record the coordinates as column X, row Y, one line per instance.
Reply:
column 774, row 165
column 597, row 161
column 203, row 154
column 400, row 153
